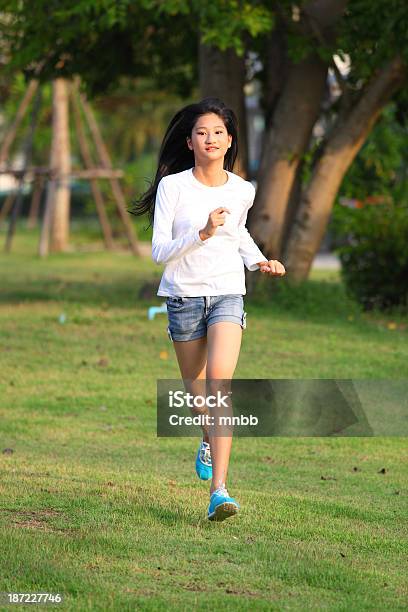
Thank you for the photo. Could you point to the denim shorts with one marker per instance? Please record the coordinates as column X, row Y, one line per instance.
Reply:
column 189, row 317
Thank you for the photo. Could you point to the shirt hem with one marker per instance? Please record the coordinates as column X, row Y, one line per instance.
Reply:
column 204, row 293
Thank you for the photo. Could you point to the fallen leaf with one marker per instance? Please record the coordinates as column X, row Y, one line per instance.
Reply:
column 164, row 355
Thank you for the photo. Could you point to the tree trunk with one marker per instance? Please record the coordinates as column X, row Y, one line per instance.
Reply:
column 346, row 140
column 288, row 137
column 285, row 143
column 275, row 66
column 60, row 163
column 222, row 74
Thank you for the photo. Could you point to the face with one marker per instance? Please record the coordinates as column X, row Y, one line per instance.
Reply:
column 209, row 138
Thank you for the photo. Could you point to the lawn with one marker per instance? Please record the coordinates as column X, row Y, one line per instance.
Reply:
column 94, row 506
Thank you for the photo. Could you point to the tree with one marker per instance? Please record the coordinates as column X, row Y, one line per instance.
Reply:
column 336, row 157
column 43, row 42
column 300, row 173
column 60, row 160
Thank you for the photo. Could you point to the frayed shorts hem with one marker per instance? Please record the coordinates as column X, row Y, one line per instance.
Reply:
column 201, row 333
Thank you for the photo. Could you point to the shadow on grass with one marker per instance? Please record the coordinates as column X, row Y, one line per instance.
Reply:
column 318, row 300
column 127, row 292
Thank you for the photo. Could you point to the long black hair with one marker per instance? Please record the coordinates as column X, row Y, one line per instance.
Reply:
column 175, row 156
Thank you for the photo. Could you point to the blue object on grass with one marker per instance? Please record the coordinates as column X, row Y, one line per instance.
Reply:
column 154, row 310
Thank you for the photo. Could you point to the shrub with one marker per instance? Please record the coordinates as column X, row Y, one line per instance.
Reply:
column 374, row 253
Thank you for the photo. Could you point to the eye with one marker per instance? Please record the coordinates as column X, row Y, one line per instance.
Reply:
column 217, row 132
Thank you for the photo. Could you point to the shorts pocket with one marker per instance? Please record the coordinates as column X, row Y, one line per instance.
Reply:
column 174, row 302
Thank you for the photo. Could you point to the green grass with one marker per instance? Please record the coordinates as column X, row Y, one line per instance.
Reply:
column 96, row 507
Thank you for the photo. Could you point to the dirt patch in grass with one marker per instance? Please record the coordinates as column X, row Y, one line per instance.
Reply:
column 35, row 519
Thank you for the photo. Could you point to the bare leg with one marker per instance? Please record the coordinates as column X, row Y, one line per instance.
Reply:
column 192, row 360
column 223, row 345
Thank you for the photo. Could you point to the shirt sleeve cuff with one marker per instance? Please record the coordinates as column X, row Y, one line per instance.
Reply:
column 198, row 239
column 252, row 267
column 252, row 263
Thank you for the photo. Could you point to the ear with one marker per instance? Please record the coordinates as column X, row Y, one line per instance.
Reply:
column 188, row 141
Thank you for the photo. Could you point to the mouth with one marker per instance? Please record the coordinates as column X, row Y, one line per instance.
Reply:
column 211, row 148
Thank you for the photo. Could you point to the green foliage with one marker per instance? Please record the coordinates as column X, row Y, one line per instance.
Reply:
column 235, row 20
column 373, row 237
column 381, row 166
column 372, row 32
column 374, row 255
column 100, row 40
column 104, row 39
column 299, row 47
column 42, row 135
column 171, row 7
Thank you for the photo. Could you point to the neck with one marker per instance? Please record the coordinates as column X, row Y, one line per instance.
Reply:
column 211, row 175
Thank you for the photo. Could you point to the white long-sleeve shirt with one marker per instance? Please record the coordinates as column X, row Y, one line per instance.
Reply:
column 195, row 267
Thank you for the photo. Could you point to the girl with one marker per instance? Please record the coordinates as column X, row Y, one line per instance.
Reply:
column 199, row 208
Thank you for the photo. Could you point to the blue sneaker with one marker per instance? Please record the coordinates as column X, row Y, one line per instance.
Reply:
column 222, row 505
column 203, row 461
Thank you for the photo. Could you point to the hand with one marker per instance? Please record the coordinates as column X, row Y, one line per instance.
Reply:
column 215, row 218
column 273, row 267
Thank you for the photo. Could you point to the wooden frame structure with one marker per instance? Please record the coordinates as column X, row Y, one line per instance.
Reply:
column 56, row 177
